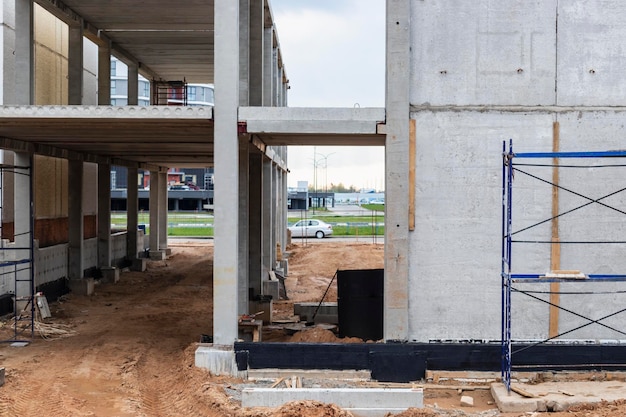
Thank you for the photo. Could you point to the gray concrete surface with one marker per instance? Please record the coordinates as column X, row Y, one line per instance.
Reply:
column 556, row 396
column 361, row 402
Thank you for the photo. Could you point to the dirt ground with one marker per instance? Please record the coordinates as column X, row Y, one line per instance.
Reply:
column 128, row 350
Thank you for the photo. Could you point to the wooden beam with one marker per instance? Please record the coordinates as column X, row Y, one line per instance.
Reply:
column 412, row 174
column 555, row 253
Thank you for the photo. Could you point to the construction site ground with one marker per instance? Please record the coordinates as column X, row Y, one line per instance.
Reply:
column 128, row 350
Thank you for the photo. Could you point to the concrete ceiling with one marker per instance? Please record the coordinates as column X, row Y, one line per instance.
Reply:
column 172, row 41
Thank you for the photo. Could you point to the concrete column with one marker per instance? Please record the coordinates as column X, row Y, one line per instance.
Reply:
column 132, row 212
column 275, row 76
column 22, row 200
column 163, row 212
column 255, row 72
column 244, row 229
column 104, row 74
column 395, row 321
column 267, row 225
column 268, row 78
column 24, row 52
column 75, row 65
column 154, row 213
column 104, row 215
column 244, row 52
column 75, row 219
column 133, row 84
column 255, row 213
column 226, row 265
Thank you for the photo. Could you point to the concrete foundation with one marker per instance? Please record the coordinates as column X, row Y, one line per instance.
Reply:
column 138, row 265
column 365, row 402
column 556, row 396
column 219, row 360
column 157, row 255
column 344, row 375
column 83, row 286
column 272, row 288
column 327, row 313
column 110, row 274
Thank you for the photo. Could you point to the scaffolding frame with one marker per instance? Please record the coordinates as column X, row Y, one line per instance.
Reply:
column 18, row 268
column 508, row 278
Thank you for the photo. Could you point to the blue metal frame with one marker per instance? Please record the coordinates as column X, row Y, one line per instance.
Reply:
column 509, row 278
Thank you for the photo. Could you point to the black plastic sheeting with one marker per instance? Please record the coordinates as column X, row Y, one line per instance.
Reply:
column 405, row 362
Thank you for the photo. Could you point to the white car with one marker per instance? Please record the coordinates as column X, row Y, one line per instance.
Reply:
column 310, row 228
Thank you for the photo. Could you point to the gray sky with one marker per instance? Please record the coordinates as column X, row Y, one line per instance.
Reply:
column 334, row 54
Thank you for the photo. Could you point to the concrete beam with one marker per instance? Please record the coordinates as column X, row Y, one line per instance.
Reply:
column 312, row 120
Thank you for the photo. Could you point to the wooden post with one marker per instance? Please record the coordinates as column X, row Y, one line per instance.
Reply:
column 555, row 253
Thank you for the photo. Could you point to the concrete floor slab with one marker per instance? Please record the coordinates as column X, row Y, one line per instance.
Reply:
column 361, row 402
column 556, row 396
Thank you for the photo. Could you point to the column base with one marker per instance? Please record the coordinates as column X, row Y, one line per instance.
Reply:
column 110, row 274
column 219, row 360
column 83, row 286
column 157, row 255
column 138, row 264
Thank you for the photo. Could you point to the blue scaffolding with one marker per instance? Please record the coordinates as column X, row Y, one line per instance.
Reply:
column 509, row 278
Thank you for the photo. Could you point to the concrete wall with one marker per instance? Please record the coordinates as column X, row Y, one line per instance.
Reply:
column 484, row 72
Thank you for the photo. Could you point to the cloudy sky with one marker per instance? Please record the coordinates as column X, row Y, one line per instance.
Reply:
column 334, row 54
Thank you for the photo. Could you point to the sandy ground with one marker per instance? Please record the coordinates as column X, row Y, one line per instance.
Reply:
column 129, row 349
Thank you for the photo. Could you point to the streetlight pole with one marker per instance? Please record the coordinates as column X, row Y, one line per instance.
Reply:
column 325, row 157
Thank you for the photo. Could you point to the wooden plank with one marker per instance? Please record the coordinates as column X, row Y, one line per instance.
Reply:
column 522, row 392
column 412, row 157
column 555, row 253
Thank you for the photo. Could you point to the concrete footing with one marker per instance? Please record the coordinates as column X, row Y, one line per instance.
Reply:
column 83, row 286
column 157, row 255
column 556, row 396
column 110, row 274
column 138, row 264
column 219, row 360
column 361, row 402
column 272, row 288
column 1, row 377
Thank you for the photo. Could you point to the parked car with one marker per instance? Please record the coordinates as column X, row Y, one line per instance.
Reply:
column 310, row 228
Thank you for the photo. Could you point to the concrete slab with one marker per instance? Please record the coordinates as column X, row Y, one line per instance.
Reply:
column 556, row 396
column 361, row 402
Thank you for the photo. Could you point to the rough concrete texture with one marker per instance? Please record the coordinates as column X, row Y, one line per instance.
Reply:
column 466, row 100
column 219, row 360
column 370, row 402
column 556, row 396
